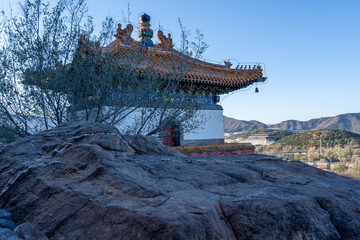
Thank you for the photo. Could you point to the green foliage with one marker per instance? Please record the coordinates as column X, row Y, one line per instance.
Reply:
column 337, row 145
column 281, row 134
column 330, row 138
column 313, row 154
column 339, row 167
column 357, row 167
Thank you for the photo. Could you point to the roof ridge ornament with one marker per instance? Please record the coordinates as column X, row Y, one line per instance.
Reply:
column 87, row 47
column 228, row 64
column 124, row 35
column 165, row 43
column 145, row 33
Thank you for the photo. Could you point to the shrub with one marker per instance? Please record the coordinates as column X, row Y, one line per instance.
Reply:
column 339, row 167
column 357, row 167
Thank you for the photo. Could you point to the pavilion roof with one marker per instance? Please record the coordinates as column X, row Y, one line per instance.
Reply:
column 192, row 70
column 165, row 61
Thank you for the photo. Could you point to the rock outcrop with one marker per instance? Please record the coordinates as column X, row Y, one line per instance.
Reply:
column 87, row 181
column 9, row 230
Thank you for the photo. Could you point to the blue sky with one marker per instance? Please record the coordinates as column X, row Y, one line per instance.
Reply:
column 311, row 49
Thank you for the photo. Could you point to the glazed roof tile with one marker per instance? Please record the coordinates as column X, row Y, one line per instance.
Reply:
column 173, row 62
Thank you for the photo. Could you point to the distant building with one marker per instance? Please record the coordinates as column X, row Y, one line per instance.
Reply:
column 261, row 139
column 257, row 140
column 320, row 165
column 231, row 134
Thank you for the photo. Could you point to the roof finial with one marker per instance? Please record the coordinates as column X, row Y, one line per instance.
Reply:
column 145, row 33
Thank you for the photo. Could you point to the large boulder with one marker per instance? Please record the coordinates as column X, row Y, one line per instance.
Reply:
column 87, row 181
column 20, row 231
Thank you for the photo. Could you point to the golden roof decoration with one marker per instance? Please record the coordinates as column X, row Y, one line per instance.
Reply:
column 124, row 35
column 165, row 43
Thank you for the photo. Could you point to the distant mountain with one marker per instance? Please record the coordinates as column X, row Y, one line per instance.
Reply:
column 348, row 122
column 234, row 125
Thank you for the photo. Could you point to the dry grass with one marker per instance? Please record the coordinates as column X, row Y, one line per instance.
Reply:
column 351, row 173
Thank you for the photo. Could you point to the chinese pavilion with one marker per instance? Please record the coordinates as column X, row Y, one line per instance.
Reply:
column 206, row 78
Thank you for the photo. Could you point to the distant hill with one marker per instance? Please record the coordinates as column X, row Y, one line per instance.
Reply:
column 348, row 122
column 234, row 125
column 278, row 134
column 329, row 137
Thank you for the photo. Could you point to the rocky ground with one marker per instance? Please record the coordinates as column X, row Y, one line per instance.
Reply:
column 87, row 181
column 9, row 230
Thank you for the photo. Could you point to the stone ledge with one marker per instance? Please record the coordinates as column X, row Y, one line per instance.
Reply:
column 217, row 149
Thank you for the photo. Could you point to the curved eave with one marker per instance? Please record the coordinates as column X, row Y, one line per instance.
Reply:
column 201, row 73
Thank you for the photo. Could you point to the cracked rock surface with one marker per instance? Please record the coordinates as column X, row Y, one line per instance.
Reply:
column 87, row 181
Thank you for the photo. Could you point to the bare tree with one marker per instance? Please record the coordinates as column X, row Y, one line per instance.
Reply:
column 36, row 46
column 106, row 88
column 50, row 74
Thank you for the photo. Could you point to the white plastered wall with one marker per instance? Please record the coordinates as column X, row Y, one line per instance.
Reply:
column 212, row 129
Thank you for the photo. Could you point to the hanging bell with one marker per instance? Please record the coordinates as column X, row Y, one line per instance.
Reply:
column 256, row 90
